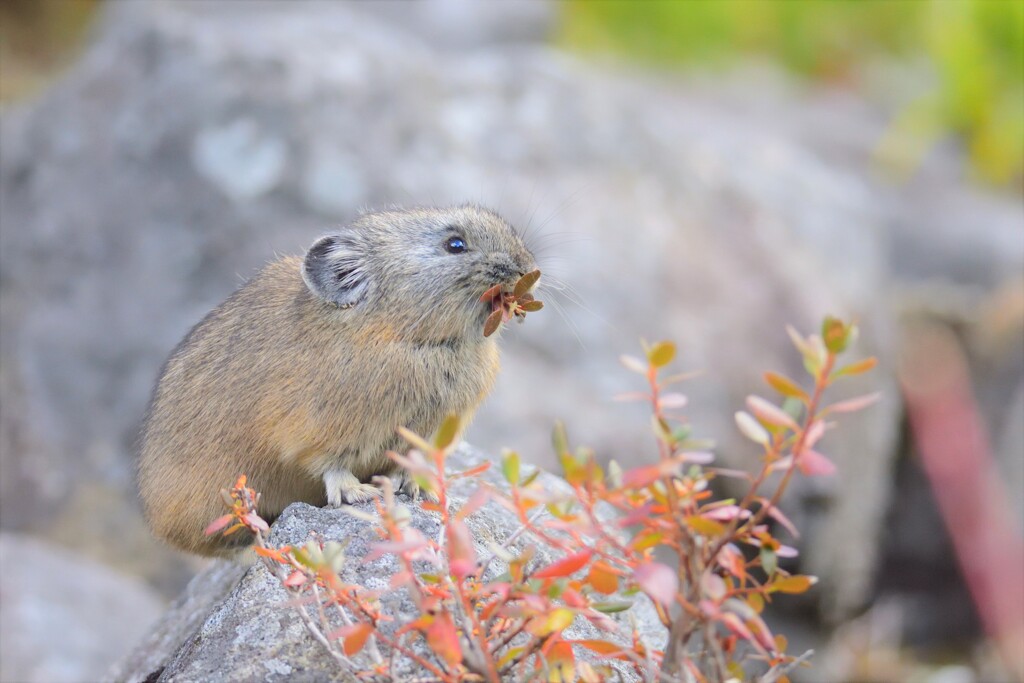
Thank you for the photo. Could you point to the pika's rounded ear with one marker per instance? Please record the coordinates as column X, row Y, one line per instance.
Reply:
column 334, row 269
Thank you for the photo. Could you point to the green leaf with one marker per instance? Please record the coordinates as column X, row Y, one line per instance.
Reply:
column 835, row 334
column 530, row 477
column 661, row 354
column 611, row 607
column 447, row 432
column 662, row 429
column 559, row 439
column 769, row 560
column 510, row 467
column 793, row 407
column 751, row 428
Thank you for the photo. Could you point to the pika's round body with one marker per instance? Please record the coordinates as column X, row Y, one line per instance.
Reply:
column 300, row 379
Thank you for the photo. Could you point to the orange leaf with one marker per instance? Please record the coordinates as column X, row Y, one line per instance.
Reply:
column 355, row 637
column 561, row 663
column 565, row 566
column 856, row 368
column 793, row 584
column 785, row 386
column 602, row 647
column 555, row 621
column 473, row 471
column 602, row 578
column 705, row 526
column 443, row 639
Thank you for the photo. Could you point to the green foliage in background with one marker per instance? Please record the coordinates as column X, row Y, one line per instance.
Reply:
column 975, row 49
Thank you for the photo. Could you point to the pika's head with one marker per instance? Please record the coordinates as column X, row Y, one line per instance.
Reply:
column 421, row 270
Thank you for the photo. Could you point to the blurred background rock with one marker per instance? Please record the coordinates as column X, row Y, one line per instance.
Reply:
column 700, row 171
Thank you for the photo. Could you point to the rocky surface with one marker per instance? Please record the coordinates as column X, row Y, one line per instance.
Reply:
column 179, row 622
column 55, row 603
column 195, row 140
column 252, row 634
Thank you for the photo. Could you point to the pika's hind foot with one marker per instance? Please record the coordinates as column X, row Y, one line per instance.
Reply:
column 344, row 489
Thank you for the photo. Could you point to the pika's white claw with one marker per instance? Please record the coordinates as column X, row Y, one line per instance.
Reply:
column 344, row 489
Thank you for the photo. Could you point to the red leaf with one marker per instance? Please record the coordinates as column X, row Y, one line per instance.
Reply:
column 296, row 578
column 565, row 566
column 851, row 405
column 659, row 582
column 770, row 413
column 726, row 513
column 254, row 520
column 475, row 502
column 672, row 400
column 732, row 560
column 776, row 514
column 461, row 553
column 713, row 586
column 218, row 524
column 492, row 323
column 491, row 293
column 814, row 433
column 814, row 464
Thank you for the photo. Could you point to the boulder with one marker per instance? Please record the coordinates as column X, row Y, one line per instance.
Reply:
column 254, row 634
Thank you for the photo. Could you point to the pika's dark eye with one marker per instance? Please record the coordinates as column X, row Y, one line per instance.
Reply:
column 455, row 245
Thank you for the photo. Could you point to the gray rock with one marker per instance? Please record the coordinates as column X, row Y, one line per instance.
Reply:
column 254, row 634
column 179, row 623
column 65, row 618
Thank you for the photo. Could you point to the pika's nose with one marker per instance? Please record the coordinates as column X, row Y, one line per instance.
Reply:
column 502, row 269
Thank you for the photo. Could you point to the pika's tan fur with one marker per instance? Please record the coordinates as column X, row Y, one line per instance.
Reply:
column 301, row 378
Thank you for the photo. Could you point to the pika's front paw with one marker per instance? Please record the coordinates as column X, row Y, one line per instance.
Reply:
column 344, row 489
column 404, row 482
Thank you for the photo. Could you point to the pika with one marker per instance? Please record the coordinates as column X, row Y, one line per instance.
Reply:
column 301, row 378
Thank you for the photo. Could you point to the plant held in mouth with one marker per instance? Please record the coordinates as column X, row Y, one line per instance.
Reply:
column 508, row 305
